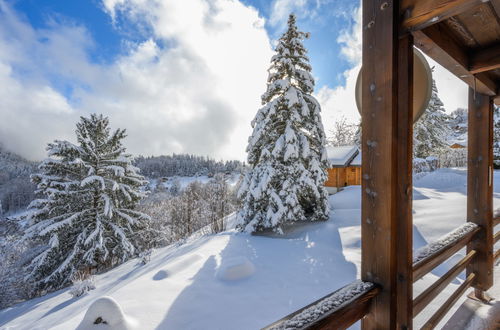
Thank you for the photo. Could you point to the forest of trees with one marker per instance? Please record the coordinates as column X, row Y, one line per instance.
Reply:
column 184, row 165
column 93, row 210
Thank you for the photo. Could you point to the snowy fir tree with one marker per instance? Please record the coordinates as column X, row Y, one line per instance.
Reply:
column 85, row 215
column 496, row 137
column 286, row 150
column 431, row 131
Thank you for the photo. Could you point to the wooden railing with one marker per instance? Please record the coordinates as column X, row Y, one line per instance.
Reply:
column 496, row 237
column 338, row 310
column 351, row 303
column 432, row 256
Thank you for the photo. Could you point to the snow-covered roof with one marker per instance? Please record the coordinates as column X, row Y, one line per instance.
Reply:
column 341, row 156
column 357, row 160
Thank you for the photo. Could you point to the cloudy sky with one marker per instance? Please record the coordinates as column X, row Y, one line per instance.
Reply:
column 181, row 76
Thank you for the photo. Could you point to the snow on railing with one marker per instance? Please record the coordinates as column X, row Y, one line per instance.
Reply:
column 317, row 310
column 444, row 241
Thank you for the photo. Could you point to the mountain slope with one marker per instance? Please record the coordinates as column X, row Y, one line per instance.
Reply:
column 239, row 281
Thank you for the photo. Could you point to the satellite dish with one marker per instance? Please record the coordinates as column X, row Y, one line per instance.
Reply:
column 422, row 85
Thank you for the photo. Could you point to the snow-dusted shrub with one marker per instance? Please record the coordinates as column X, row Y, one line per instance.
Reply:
column 450, row 157
column 145, row 256
column 420, row 165
column 286, row 151
column 82, row 283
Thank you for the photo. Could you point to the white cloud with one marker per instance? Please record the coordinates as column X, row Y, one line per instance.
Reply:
column 197, row 95
column 340, row 101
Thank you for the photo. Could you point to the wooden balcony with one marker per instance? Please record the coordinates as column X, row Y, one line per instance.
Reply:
column 464, row 37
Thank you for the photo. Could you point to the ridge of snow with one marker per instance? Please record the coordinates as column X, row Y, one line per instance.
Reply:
column 444, row 241
column 338, row 299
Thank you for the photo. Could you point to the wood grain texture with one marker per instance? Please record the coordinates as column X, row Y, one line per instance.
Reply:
column 426, row 265
column 340, row 318
column 437, row 287
column 482, row 23
column 418, row 14
column 485, row 59
column 441, row 312
column 480, row 187
column 437, row 42
column 386, row 185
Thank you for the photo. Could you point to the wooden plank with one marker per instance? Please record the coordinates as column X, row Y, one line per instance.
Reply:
column 485, row 59
column 495, row 4
column 340, row 318
column 382, row 248
column 426, row 265
column 441, row 312
column 418, row 14
column 404, row 185
column 439, row 44
column 431, row 292
column 480, row 186
column 483, row 24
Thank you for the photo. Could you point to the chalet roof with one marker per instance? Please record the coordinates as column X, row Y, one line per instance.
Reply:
column 357, row 160
column 341, row 156
column 462, row 36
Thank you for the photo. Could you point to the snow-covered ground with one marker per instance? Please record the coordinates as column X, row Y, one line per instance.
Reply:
column 238, row 281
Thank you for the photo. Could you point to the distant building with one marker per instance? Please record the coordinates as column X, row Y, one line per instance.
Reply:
column 459, row 145
column 345, row 167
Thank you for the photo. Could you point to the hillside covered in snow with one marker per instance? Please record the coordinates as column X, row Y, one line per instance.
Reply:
column 235, row 280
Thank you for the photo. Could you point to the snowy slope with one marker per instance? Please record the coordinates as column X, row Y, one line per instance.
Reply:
column 238, row 281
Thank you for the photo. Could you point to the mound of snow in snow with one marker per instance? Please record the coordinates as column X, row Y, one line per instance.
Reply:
column 441, row 179
column 235, row 268
column 105, row 313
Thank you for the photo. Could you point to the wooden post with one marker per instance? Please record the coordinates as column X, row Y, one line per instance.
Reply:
column 386, row 227
column 480, row 188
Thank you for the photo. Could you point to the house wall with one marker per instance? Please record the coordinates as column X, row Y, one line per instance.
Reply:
column 343, row 176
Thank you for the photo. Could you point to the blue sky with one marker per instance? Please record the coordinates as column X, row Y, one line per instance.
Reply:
column 324, row 19
column 181, row 76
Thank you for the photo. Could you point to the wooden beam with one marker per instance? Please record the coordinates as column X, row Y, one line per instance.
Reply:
column 496, row 6
column 480, row 187
column 437, row 43
column 485, row 59
column 386, row 185
column 419, row 14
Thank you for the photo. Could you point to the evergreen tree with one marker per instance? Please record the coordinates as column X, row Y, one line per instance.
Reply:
column 431, row 131
column 85, row 215
column 286, row 150
column 496, row 137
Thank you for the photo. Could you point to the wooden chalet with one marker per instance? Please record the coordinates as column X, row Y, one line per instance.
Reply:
column 464, row 37
column 458, row 145
column 345, row 167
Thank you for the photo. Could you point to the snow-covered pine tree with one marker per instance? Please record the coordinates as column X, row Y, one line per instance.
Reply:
column 431, row 131
column 85, row 215
column 496, row 137
column 286, row 150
